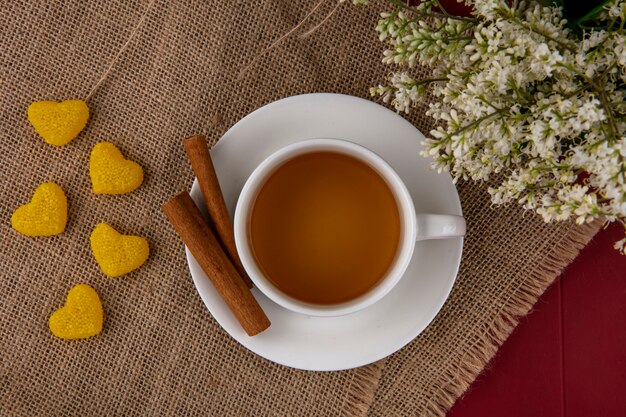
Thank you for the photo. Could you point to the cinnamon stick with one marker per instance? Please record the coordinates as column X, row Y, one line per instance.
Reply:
column 190, row 225
column 202, row 165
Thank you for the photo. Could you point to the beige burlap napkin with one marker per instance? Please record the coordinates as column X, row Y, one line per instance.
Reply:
column 161, row 353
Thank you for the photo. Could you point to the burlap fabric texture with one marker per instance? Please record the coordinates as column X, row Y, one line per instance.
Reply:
column 161, row 353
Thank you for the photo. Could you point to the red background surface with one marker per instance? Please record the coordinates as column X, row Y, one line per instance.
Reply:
column 568, row 356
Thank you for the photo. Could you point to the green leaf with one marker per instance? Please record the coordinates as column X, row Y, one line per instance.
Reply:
column 591, row 14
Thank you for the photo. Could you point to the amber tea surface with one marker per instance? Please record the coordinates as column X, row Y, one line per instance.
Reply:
column 324, row 227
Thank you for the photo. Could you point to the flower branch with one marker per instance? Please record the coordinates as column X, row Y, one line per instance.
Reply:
column 522, row 94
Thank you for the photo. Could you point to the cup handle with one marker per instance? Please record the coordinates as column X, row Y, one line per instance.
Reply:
column 439, row 226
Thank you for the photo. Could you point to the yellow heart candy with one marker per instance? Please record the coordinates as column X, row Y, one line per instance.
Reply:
column 81, row 316
column 45, row 215
column 111, row 173
column 58, row 123
column 116, row 253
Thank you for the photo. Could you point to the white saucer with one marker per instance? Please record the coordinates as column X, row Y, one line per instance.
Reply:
column 330, row 344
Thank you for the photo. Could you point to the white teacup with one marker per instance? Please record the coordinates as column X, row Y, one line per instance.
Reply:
column 414, row 226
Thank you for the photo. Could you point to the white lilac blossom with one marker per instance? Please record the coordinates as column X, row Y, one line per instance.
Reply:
column 523, row 100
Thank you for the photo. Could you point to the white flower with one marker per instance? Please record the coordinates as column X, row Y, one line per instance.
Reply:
column 517, row 93
column 621, row 246
column 620, row 49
